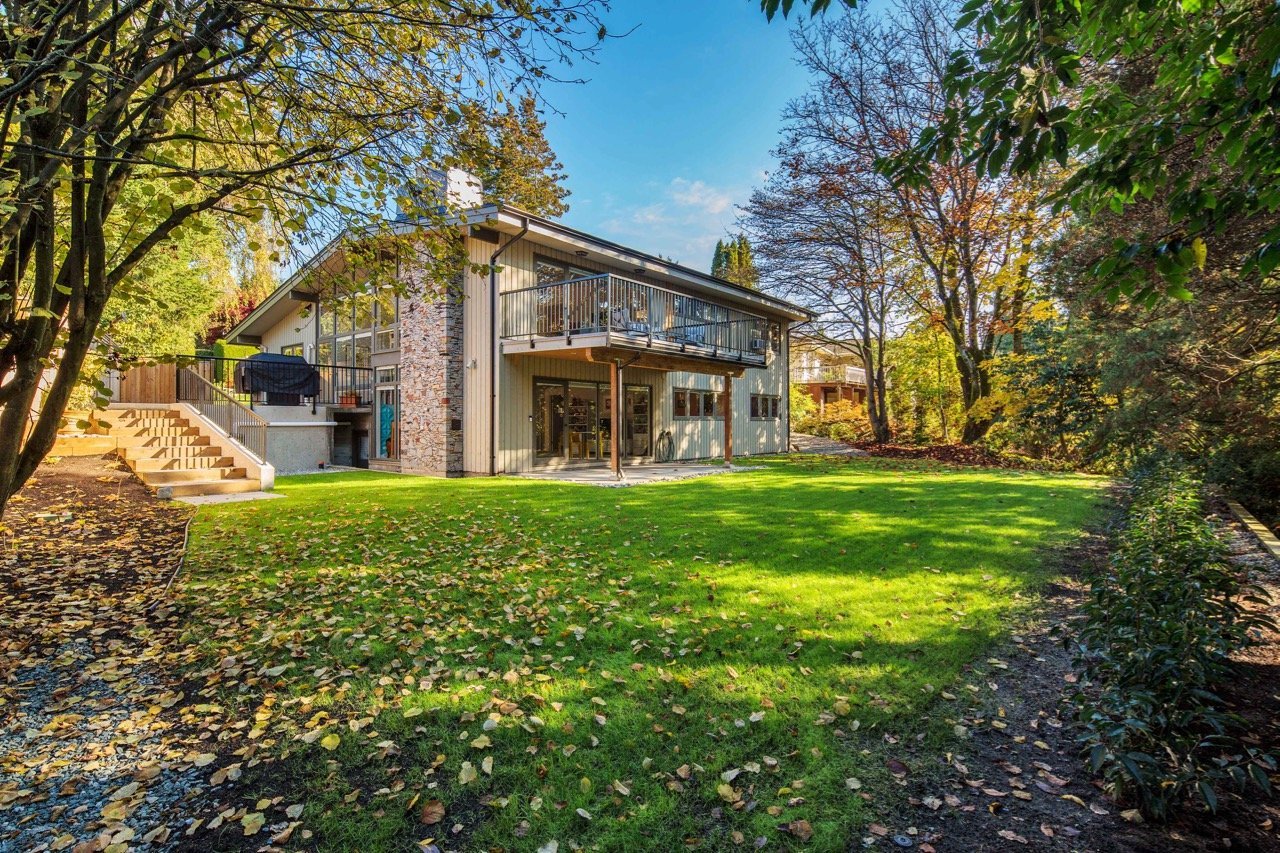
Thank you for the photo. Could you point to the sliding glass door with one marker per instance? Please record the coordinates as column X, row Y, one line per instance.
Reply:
column 573, row 420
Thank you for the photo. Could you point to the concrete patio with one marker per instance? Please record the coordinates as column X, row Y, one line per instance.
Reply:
column 635, row 475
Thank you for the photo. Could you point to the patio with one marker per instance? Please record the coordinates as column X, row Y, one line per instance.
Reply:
column 634, row 475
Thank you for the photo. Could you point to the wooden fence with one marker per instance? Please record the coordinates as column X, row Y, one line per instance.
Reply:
column 155, row 383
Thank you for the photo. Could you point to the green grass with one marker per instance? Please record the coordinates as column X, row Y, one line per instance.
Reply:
column 778, row 622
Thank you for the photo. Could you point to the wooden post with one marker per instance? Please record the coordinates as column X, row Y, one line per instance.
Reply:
column 615, row 423
column 728, row 420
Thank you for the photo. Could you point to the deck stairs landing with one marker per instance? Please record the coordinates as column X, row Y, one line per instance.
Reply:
column 172, row 455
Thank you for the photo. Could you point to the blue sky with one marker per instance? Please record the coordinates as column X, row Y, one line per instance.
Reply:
column 675, row 123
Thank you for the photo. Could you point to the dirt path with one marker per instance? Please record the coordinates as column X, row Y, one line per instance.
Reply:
column 1021, row 783
column 88, row 753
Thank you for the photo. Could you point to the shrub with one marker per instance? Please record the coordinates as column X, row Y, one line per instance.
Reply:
column 221, row 350
column 1161, row 625
column 841, row 420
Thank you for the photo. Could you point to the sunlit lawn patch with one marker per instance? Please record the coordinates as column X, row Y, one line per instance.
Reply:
column 562, row 662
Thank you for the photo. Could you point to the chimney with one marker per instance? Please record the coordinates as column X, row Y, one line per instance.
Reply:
column 454, row 189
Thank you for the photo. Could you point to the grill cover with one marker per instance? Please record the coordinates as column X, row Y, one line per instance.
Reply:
column 273, row 374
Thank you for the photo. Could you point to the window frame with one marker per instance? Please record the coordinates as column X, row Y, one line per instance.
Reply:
column 709, row 406
column 765, row 407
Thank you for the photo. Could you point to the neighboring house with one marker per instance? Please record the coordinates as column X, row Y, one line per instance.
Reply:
column 573, row 351
column 828, row 372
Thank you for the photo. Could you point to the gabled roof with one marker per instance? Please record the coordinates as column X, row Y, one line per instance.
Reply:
column 512, row 221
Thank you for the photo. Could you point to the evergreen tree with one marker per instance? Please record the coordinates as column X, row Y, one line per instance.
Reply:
column 718, row 260
column 522, row 168
column 734, row 262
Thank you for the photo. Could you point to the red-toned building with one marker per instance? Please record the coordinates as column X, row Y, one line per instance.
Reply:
column 828, row 372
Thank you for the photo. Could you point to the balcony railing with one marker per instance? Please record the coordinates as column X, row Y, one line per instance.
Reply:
column 281, row 384
column 839, row 374
column 632, row 313
column 231, row 415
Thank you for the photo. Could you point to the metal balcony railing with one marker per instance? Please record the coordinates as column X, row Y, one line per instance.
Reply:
column 232, row 417
column 632, row 313
column 274, row 384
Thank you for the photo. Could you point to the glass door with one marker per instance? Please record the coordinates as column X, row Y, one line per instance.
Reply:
column 548, row 419
column 637, row 420
column 582, row 425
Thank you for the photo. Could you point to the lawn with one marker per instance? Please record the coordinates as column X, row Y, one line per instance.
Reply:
column 709, row 662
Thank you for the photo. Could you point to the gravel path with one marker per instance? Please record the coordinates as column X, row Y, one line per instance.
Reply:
column 91, row 752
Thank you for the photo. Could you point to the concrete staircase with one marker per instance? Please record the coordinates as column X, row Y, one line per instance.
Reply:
column 171, row 454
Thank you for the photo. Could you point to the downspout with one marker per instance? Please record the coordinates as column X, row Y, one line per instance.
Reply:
column 786, row 367
column 493, row 347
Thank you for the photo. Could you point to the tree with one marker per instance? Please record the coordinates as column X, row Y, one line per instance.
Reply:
column 733, row 261
column 520, row 168
column 312, row 114
column 967, row 236
column 1173, row 97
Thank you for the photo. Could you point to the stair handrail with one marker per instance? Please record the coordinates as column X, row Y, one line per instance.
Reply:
column 240, row 423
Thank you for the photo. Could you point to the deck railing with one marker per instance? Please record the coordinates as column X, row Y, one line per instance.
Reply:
column 334, row 385
column 839, row 374
column 232, row 417
column 634, row 313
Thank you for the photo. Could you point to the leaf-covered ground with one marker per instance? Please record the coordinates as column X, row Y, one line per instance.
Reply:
column 528, row 665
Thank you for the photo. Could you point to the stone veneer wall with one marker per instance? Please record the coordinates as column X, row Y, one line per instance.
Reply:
column 431, row 372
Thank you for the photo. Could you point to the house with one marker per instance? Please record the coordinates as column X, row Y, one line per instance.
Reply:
column 571, row 350
column 828, row 371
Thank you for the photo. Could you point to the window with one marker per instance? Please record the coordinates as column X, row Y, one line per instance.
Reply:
column 385, row 340
column 363, row 303
column 386, row 300
column 690, row 403
column 291, row 349
column 764, row 407
column 554, row 272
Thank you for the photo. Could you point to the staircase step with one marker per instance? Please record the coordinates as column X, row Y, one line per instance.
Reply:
column 183, row 428
column 182, row 463
column 191, row 475
column 213, row 487
column 171, row 451
column 158, row 441
column 82, row 445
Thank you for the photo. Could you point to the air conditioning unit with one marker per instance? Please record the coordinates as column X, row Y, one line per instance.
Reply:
column 757, row 344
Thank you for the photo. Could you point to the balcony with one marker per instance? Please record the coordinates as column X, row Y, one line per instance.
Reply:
column 837, row 375
column 255, row 383
column 611, row 311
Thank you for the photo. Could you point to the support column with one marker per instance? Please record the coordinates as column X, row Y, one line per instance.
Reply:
column 728, row 420
column 615, row 423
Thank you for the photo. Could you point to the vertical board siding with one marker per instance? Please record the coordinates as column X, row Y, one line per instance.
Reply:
column 701, row 438
column 293, row 329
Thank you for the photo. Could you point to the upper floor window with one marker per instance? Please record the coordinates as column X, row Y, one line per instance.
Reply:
column 554, row 272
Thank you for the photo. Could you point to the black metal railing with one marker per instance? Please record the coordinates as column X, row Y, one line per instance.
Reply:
column 254, row 382
column 230, row 415
column 636, row 313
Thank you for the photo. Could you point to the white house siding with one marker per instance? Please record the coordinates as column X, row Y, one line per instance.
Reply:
column 693, row 438
column 293, row 329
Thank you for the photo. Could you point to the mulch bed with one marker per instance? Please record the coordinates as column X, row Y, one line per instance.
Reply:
column 951, row 454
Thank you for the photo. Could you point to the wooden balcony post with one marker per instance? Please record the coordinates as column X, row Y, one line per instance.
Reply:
column 615, row 423
column 728, row 420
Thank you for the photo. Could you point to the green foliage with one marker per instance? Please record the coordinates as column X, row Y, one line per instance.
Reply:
column 801, row 404
column 1132, row 100
column 1048, row 397
column 1161, row 625
column 222, row 349
column 924, row 392
column 841, row 420
column 519, row 167
column 733, row 261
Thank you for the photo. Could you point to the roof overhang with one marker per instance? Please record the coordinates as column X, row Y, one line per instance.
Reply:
column 509, row 220
column 300, row 287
